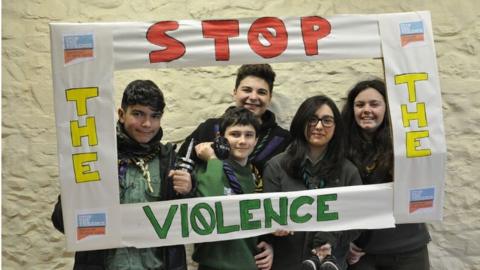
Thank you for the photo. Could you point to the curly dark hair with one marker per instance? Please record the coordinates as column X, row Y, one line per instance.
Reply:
column 143, row 92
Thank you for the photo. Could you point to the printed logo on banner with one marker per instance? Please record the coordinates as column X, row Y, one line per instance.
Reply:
column 411, row 32
column 91, row 224
column 421, row 198
column 78, row 48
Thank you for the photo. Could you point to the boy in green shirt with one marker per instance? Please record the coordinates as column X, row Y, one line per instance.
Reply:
column 231, row 176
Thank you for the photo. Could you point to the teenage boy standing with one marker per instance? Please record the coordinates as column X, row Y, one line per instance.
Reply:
column 253, row 91
column 228, row 177
column 145, row 170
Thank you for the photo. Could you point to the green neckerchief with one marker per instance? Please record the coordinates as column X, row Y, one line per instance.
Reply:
column 311, row 173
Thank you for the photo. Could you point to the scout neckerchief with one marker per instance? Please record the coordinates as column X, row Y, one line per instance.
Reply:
column 268, row 143
column 308, row 175
column 132, row 152
column 235, row 183
column 229, row 172
column 232, row 178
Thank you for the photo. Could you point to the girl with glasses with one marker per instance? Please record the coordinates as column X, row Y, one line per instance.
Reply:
column 315, row 159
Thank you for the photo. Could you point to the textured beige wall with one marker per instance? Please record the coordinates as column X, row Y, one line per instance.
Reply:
column 30, row 174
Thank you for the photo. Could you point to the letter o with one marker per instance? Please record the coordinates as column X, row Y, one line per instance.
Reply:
column 197, row 216
column 278, row 42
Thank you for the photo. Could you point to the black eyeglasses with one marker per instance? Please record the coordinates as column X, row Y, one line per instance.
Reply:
column 327, row 121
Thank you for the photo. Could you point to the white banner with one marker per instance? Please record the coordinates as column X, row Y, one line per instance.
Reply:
column 84, row 56
column 416, row 111
column 82, row 59
column 188, row 43
column 239, row 216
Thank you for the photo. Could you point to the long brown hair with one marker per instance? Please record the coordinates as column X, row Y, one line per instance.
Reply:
column 363, row 153
column 332, row 162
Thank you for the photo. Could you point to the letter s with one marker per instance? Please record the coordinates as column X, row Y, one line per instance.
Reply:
column 156, row 35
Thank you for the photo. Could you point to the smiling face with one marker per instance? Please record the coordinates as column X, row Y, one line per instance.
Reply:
column 253, row 94
column 369, row 110
column 242, row 140
column 140, row 122
column 317, row 135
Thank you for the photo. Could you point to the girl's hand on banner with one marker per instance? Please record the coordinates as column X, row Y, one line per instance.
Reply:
column 282, row 232
column 264, row 259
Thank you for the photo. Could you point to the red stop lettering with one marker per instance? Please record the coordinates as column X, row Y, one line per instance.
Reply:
column 278, row 41
column 313, row 29
column 221, row 31
column 156, row 35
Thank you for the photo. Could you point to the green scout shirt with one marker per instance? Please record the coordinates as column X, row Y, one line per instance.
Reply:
column 235, row 254
column 135, row 190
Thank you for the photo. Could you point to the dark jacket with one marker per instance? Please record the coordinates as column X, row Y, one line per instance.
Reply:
column 402, row 238
column 174, row 256
column 291, row 250
column 272, row 139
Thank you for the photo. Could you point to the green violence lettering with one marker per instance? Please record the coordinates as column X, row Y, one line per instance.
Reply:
column 203, row 219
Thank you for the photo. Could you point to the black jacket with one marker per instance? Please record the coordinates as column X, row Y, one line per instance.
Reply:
column 290, row 251
column 272, row 139
column 402, row 238
column 174, row 256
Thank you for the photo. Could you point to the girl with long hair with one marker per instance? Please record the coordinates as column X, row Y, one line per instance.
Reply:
column 369, row 146
column 315, row 159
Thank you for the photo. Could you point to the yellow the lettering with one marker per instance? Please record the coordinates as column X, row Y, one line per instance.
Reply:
column 420, row 115
column 410, row 80
column 413, row 142
column 88, row 130
column 80, row 96
column 83, row 171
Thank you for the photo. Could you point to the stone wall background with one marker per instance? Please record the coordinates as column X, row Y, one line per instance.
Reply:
column 30, row 174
